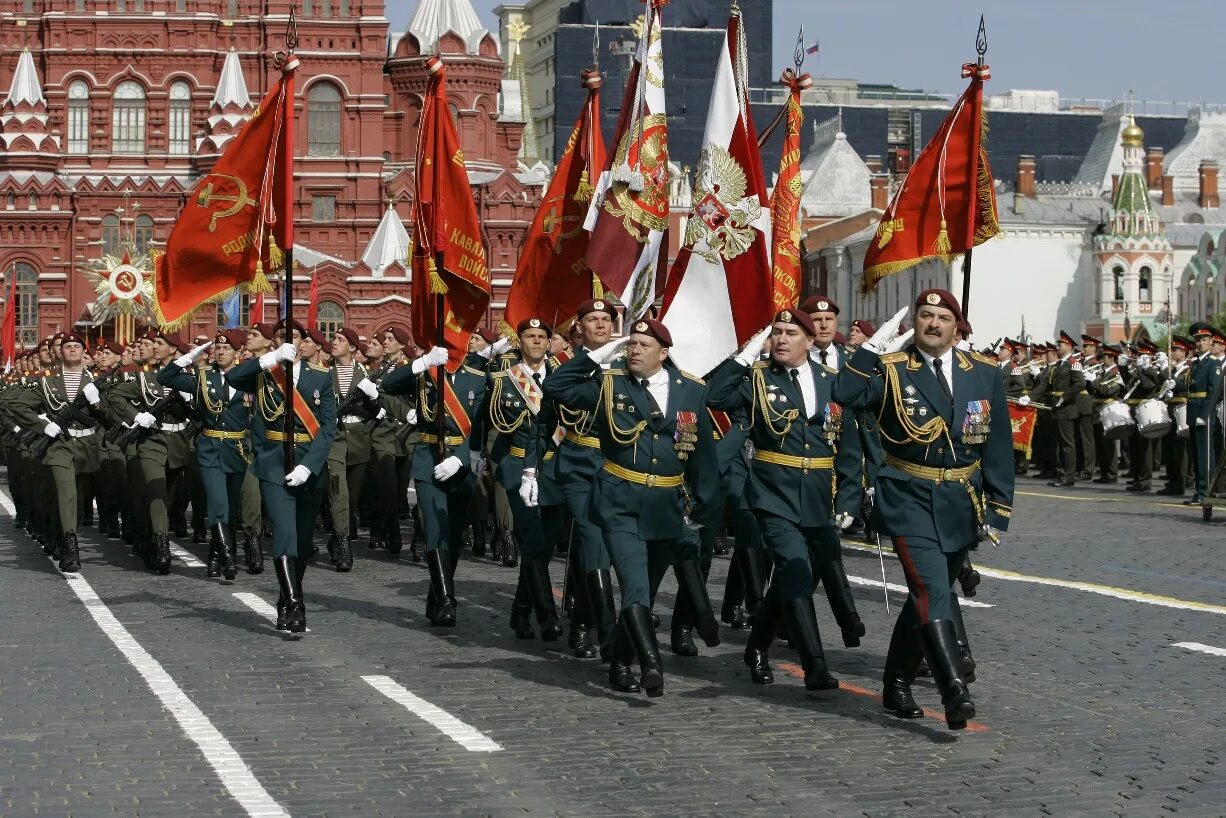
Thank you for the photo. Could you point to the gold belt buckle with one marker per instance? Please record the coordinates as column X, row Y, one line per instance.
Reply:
column 651, row 481
column 948, row 474
column 804, row 462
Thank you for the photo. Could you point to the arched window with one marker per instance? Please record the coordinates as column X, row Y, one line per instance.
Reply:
column 110, row 235
column 27, row 304
column 128, row 118
column 144, row 233
column 331, row 318
column 180, row 119
column 1143, row 284
column 324, row 120
column 78, row 117
column 1117, row 275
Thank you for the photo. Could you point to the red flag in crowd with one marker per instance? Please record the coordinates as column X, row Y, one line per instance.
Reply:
column 785, row 200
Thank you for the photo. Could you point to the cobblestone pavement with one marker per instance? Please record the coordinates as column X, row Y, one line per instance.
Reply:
column 1085, row 703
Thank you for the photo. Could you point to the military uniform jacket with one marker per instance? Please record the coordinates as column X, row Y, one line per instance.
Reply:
column 1058, row 387
column 801, row 490
column 524, row 425
column 468, row 384
column 49, row 397
column 1205, row 377
column 633, row 440
column 139, row 394
column 353, row 429
column 313, row 392
column 1085, row 403
column 579, row 456
column 383, row 436
column 1108, row 386
column 219, row 410
column 1014, row 378
column 1143, row 383
column 920, row 427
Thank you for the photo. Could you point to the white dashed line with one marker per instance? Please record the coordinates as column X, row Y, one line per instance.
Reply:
column 467, row 736
column 256, row 603
column 186, row 557
column 1199, row 648
column 902, row 589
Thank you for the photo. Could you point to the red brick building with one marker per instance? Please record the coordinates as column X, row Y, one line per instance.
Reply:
column 112, row 110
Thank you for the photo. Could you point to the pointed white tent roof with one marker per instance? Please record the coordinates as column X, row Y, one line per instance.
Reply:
column 836, row 180
column 1106, row 155
column 1204, row 137
column 231, row 87
column 389, row 245
column 433, row 18
column 25, row 87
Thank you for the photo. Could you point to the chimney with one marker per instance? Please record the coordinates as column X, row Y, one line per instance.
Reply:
column 1153, row 168
column 879, row 190
column 1168, row 190
column 1208, row 184
column 1025, row 176
column 873, row 161
column 1115, row 185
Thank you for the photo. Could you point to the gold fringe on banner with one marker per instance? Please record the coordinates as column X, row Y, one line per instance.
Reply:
column 437, row 285
column 941, row 246
column 584, row 192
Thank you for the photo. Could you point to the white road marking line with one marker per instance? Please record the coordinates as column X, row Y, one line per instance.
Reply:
column 257, row 603
column 185, row 556
column 463, row 734
column 1199, row 648
column 468, row 601
column 902, row 589
column 234, row 773
column 1087, row 587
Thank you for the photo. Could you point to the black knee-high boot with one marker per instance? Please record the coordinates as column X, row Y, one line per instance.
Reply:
column 941, row 648
column 901, row 661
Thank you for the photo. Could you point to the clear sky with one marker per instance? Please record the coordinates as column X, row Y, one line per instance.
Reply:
column 1168, row 51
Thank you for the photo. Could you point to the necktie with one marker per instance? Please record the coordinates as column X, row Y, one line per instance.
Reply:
column 655, row 407
column 795, row 373
column 936, row 364
column 536, row 376
column 823, row 353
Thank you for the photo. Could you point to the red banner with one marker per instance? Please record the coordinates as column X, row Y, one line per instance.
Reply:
column 947, row 203
column 445, row 224
column 227, row 235
column 785, row 201
column 1023, row 419
column 552, row 279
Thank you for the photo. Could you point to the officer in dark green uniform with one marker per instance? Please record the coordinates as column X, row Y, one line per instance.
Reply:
column 525, row 425
column 442, row 465
column 1178, row 373
column 1060, row 387
column 224, row 446
column 291, row 495
column 659, row 459
column 1205, row 377
column 946, row 484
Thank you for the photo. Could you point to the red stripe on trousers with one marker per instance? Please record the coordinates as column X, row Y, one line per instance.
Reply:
column 913, row 579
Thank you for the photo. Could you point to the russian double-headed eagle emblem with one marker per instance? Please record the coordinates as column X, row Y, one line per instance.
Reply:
column 723, row 214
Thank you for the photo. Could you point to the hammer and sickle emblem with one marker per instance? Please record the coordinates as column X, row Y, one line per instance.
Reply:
column 238, row 201
column 125, row 282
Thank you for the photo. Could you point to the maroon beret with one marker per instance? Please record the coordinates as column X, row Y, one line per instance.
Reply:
column 964, row 327
column 112, row 346
column 798, row 317
column 267, row 330
column 865, row 327
column 596, row 305
column 655, row 328
column 70, row 338
column 939, row 298
column 819, row 303
column 349, row 335
column 484, row 334
column 295, row 324
column 236, row 338
column 200, row 339
column 398, row 332
column 533, row 323
column 317, row 336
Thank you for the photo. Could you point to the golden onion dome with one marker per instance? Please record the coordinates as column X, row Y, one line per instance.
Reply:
column 1133, row 136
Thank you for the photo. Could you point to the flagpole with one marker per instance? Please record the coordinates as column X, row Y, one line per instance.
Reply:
column 981, row 47
column 440, row 317
column 798, row 59
column 287, row 213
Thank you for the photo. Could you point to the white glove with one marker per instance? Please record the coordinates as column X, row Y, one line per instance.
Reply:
column 1201, row 422
column 1143, row 362
column 1089, row 376
column 411, row 417
column 287, row 352
column 382, row 414
column 752, row 350
column 184, row 361
column 368, row 389
column 476, row 462
column 986, row 532
column 1034, row 369
column 145, row 420
column 871, row 491
column 886, row 332
column 843, row 520
column 1024, row 400
column 298, row 476
column 606, row 352
column 497, row 348
column 1123, row 359
column 268, row 360
column 528, row 489
column 690, row 524
column 52, row 430
column 900, row 342
column 437, row 356
column 187, row 396
column 1161, row 360
column 447, row 469
column 16, row 429
column 91, row 393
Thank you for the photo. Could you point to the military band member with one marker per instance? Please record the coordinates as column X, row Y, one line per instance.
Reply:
column 1206, row 376
column 291, row 495
column 1144, row 380
column 659, row 457
column 224, row 446
column 351, row 452
column 1105, row 386
column 946, row 484
column 1175, row 390
column 1060, row 385
column 442, row 464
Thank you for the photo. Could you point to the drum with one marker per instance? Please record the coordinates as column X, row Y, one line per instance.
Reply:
column 1116, row 420
column 1180, row 415
column 1152, row 419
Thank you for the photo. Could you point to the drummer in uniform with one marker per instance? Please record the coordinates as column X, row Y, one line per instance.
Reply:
column 1175, row 390
column 1144, row 381
column 1105, row 386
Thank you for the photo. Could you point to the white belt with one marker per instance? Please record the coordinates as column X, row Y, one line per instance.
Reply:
column 81, row 432
column 353, row 419
column 173, row 427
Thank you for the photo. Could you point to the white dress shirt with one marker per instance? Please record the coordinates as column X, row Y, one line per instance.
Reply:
column 657, row 385
column 832, row 357
column 947, row 366
column 804, row 374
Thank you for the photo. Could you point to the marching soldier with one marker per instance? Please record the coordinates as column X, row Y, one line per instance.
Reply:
column 1087, row 461
column 1145, row 382
column 1175, row 391
column 442, row 465
column 351, row 451
column 390, row 454
column 113, row 501
column 291, row 495
column 223, row 448
column 1060, row 385
column 946, row 484
column 1105, row 387
column 1205, row 377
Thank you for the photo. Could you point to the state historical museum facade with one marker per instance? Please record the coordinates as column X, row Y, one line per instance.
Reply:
column 114, row 109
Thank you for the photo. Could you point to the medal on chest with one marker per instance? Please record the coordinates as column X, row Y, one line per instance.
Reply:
column 978, row 420
column 686, row 434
